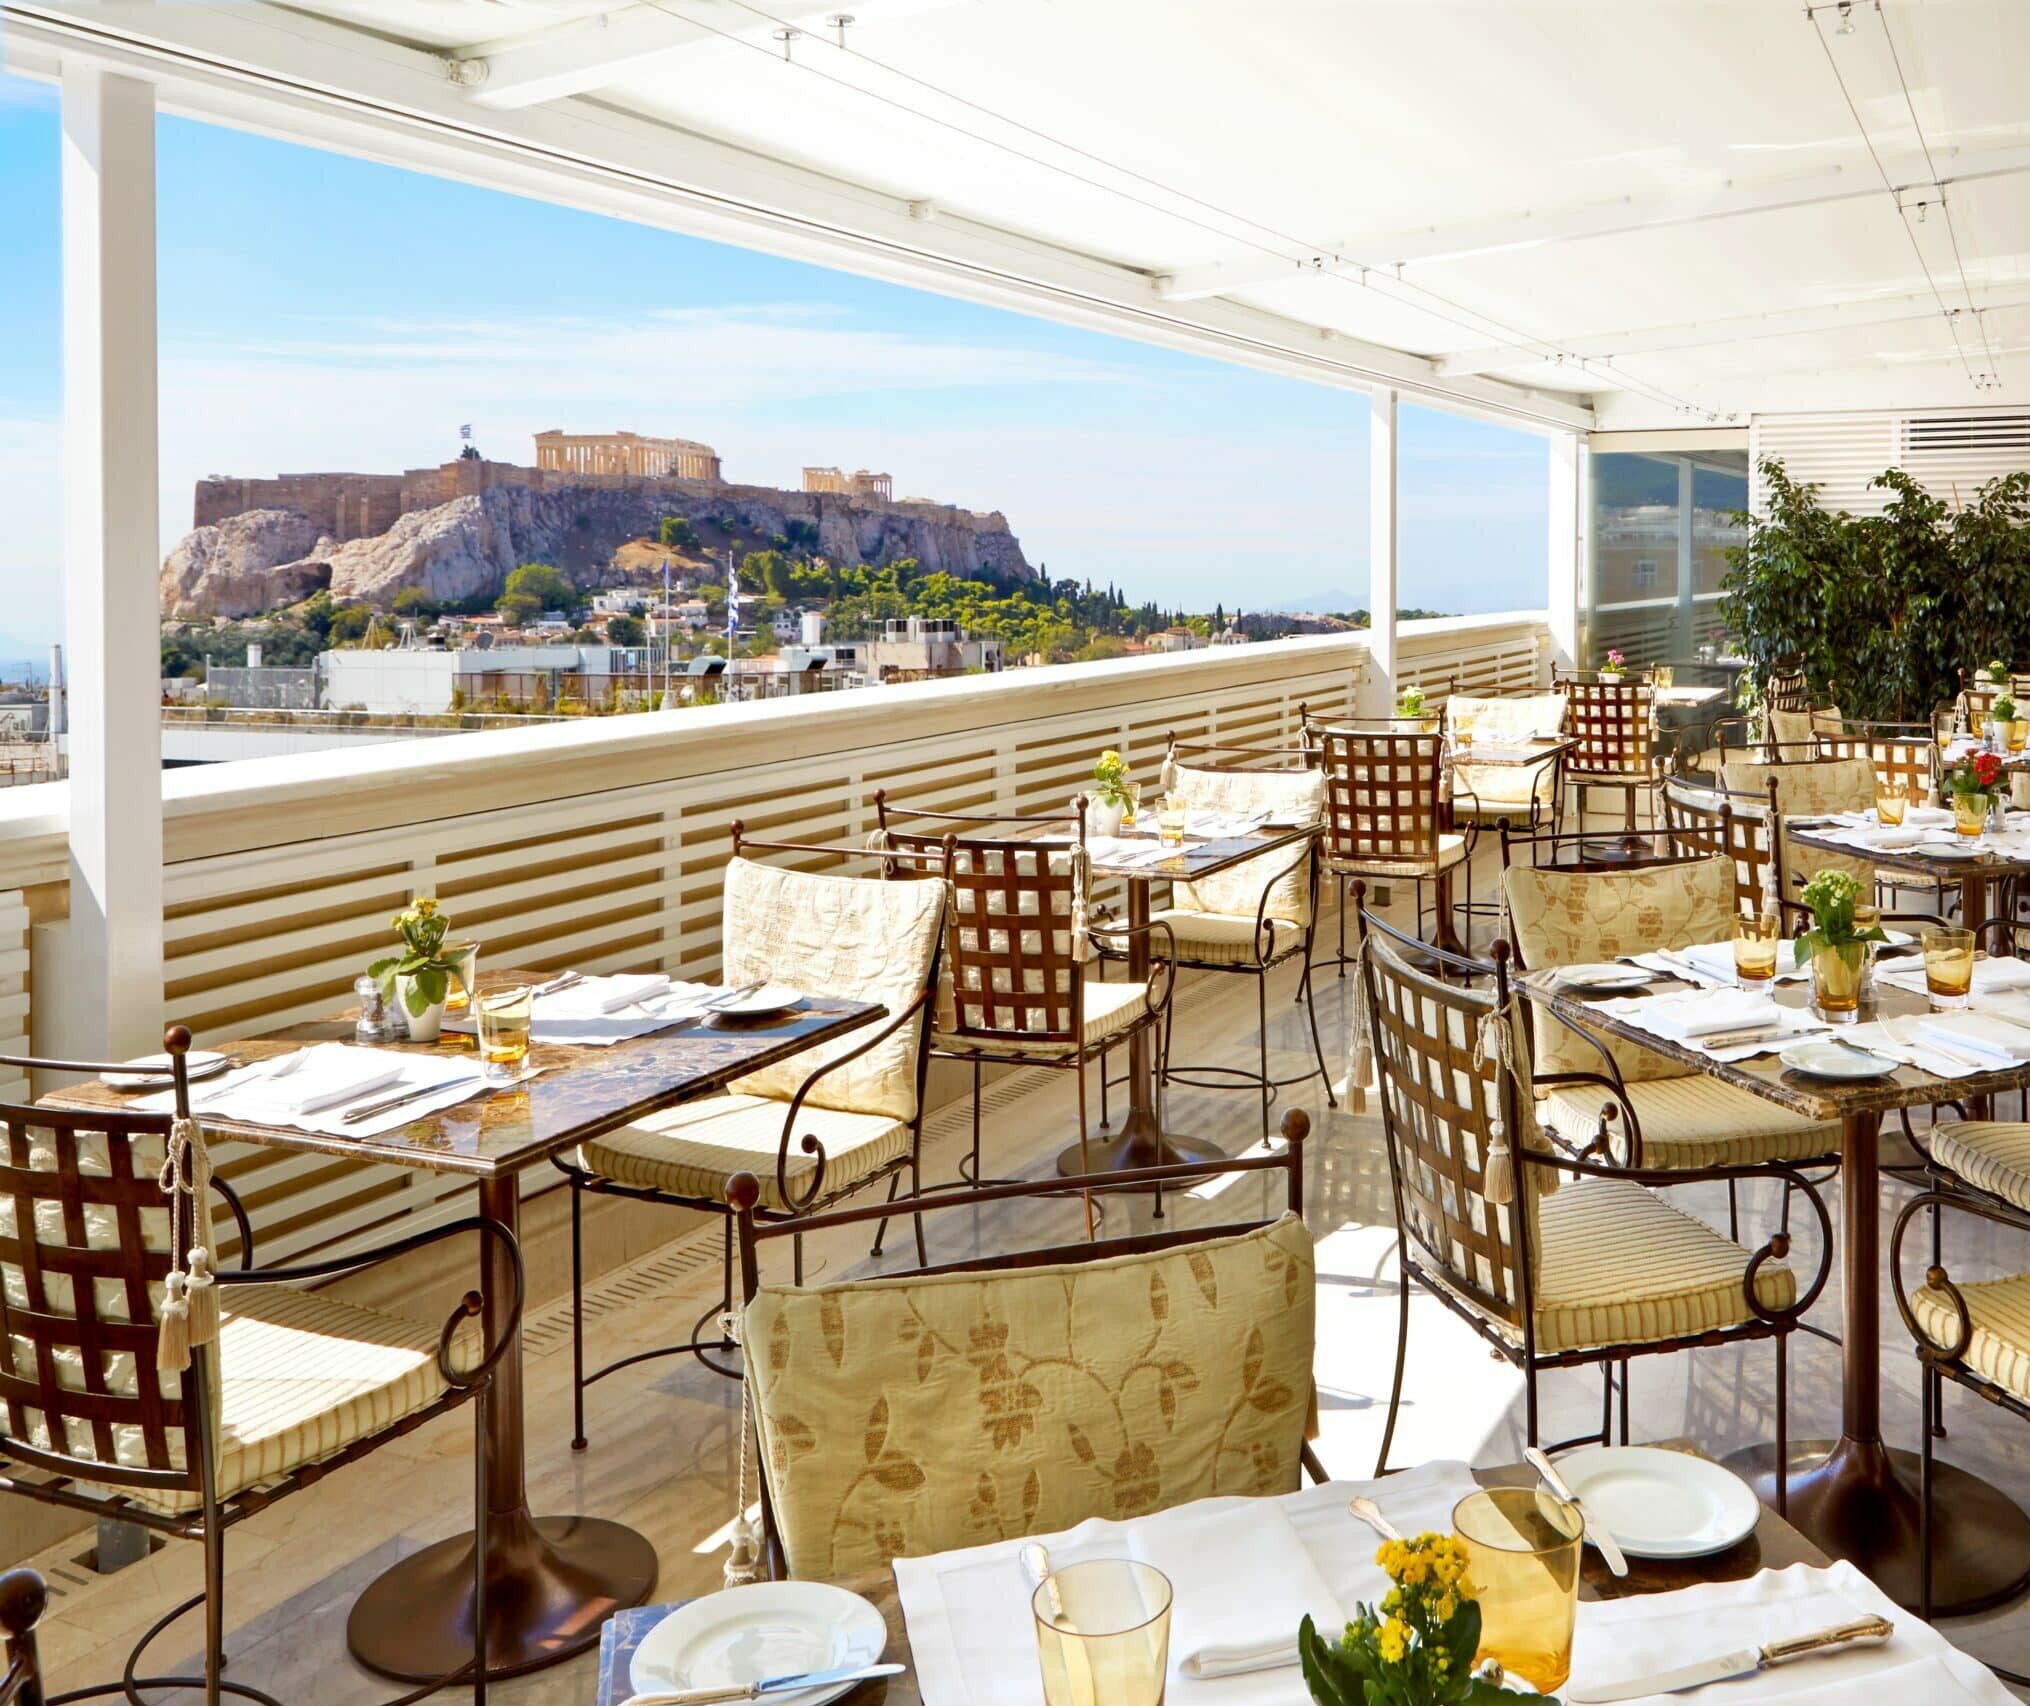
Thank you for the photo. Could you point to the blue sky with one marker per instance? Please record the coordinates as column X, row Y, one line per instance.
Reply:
column 319, row 312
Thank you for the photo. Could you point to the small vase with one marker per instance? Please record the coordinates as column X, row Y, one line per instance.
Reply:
column 1836, row 974
column 1969, row 814
column 424, row 1027
column 1103, row 817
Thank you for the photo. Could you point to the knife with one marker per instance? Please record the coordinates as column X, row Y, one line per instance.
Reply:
column 755, row 1690
column 1596, row 1530
column 1744, row 1663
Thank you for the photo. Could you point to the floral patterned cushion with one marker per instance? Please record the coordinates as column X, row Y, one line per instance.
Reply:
column 1805, row 788
column 1288, row 796
column 1531, row 716
column 1566, row 918
column 904, row 1416
column 847, row 936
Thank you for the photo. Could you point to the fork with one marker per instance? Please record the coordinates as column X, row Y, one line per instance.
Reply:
column 280, row 1067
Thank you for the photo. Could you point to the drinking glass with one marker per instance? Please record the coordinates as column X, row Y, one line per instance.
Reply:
column 1133, row 790
column 1837, row 973
column 1948, row 968
column 1890, row 804
column 1522, row 1552
column 1969, row 814
column 1103, row 1634
column 503, row 1020
column 1976, row 721
column 1664, row 675
column 464, row 957
column 1170, row 821
column 1755, row 944
column 2019, row 733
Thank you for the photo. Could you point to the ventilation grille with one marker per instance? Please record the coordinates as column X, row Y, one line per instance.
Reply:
column 1951, row 453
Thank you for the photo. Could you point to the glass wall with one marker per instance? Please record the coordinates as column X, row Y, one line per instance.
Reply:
column 1661, row 527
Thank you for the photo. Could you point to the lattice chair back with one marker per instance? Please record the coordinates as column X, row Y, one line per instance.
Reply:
column 1447, row 1104
column 85, row 1256
column 1382, row 796
column 1014, row 945
column 1905, row 759
column 1614, row 726
column 1288, row 796
column 1702, row 822
column 1788, row 689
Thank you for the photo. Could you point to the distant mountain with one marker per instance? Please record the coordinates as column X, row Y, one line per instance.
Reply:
column 1331, row 602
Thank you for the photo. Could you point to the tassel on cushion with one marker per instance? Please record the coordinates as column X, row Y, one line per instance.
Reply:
column 1359, row 1033
column 1497, row 1177
column 172, row 1327
column 1166, row 778
column 201, row 1298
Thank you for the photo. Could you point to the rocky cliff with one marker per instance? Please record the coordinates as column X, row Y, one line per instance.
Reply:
column 264, row 558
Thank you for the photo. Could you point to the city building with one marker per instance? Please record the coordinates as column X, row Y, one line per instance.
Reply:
column 917, row 648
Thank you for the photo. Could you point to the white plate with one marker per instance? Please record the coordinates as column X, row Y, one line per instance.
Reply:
column 1662, row 1504
column 151, row 1071
column 769, row 998
column 1946, row 850
column 1824, row 1059
column 749, row 1634
column 1604, row 977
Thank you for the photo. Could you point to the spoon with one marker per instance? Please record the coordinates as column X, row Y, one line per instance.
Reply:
column 1371, row 1513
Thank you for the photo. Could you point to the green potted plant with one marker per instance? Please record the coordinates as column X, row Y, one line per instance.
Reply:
column 1611, row 669
column 1836, row 944
column 1107, row 798
column 1412, row 703
column 1996, row 673
column 418, row 979
column 1973, row 786
column 1417, row 1647
column 2005, row 719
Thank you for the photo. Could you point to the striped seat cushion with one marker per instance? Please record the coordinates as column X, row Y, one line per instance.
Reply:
column 2000, row 1311
column 1451, row 849
column 303, row 1375
column 1991, row 1155
column 1213, row 938
column 1693, row 1122
column 694, row 1149
column 1110, row 1008
column 1622, row 1266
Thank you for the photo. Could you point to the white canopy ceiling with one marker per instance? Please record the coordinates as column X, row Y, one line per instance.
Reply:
column 1684, row 211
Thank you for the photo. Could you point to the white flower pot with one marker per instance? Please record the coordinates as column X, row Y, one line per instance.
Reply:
column 1103, row 817
column 424, row 1027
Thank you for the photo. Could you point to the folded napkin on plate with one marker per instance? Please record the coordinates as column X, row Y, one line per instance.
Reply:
column 1206, row 1550
column 1920, row 817
column 331, row 1073
column 1625, row 1639
column 628, row 990
column 1991, row 976
column 1709, row 1014
column 1981, row 1034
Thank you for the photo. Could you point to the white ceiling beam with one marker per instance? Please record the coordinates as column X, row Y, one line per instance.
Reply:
column 1744, row 328
column 1625, row 214
column 586, row 54
column 293, row 75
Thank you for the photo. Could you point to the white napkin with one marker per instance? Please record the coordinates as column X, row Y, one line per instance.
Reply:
column 331, row 1074
column 1981, row 1034
column 972, row 1638
column 598, row 1012
column 1205, row 1549
column 1621, row 1639
column 628, row 990
column 1715, row 960
column 1900, row 1040
column 1689, row 1016
column 1991, row 976
column 263, row 1094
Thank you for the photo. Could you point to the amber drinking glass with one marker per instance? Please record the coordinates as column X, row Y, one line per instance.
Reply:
column 1969, row 814
column 1170, row 821
column 1890, row 805
column 1755, row 944
column 1836, row 976
column 2019, row 733
column 464, row 956
column 1948, row 968
column 1134, row 792
column 1522, row 1553
column 1103, row 1634
column 503, row 1021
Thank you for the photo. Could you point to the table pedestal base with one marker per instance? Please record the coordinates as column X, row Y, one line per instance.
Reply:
column 1858, row 1500
column 1139, row 1143
column 554, row 1580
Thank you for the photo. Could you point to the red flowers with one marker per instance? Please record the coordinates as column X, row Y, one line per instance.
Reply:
column 1987, row 769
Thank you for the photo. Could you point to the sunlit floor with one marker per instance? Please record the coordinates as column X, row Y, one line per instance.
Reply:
column 663, row 1435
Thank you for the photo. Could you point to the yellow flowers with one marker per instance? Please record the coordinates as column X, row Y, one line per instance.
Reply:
column 1393, row 1640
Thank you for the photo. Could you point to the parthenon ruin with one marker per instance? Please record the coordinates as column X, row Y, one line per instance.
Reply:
column 872, row 488
column 625, row 453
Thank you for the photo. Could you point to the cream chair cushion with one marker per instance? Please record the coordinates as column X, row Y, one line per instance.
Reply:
column 1566, row 918
column 1693, row 1121
column 1808, row 788
column 1451, row 850
column 855, row 937
column 1991, row 1155
column 1622, row 1266
column 1288, row 796
column 1211, row 939
column 907, row 1416
column 2000, row 1312
column 1110, row 1008
column 1525, row 717
column 1488, row 789
column 304, row 1375
column 693, row 1149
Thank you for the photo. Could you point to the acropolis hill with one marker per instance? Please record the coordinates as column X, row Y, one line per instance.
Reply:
column 457, row 530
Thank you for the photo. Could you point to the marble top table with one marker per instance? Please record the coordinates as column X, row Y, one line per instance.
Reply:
column 555, row 1578
column 1992, row 861
column 1853, row 1496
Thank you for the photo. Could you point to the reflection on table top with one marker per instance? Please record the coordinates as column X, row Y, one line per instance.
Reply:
column 1767, row 1076
column 583, row 1092
column 1490, row 752
column 1989, row 860
column 1195, row 860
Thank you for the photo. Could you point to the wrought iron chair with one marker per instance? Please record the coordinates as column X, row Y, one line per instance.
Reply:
column 1619, row 747
column 103, row 1411
column 834, row 1120
column 1249, row 920
column 1216, row 1317
column 1555, row 1260
column 1385, row 818
column 1702, row 821
column 1017, row 993
column 1904, row 755
column 1484, row 794
column 23, row 1598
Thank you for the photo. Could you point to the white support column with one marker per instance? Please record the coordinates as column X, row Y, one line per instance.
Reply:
column 1378, row 693
column 111, row 553
column 1567, row 556
column 1685, row 641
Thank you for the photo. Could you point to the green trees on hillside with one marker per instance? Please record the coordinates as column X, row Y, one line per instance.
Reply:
column 534, row 588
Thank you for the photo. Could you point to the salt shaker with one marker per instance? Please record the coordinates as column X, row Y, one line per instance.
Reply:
column 375, row 1023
